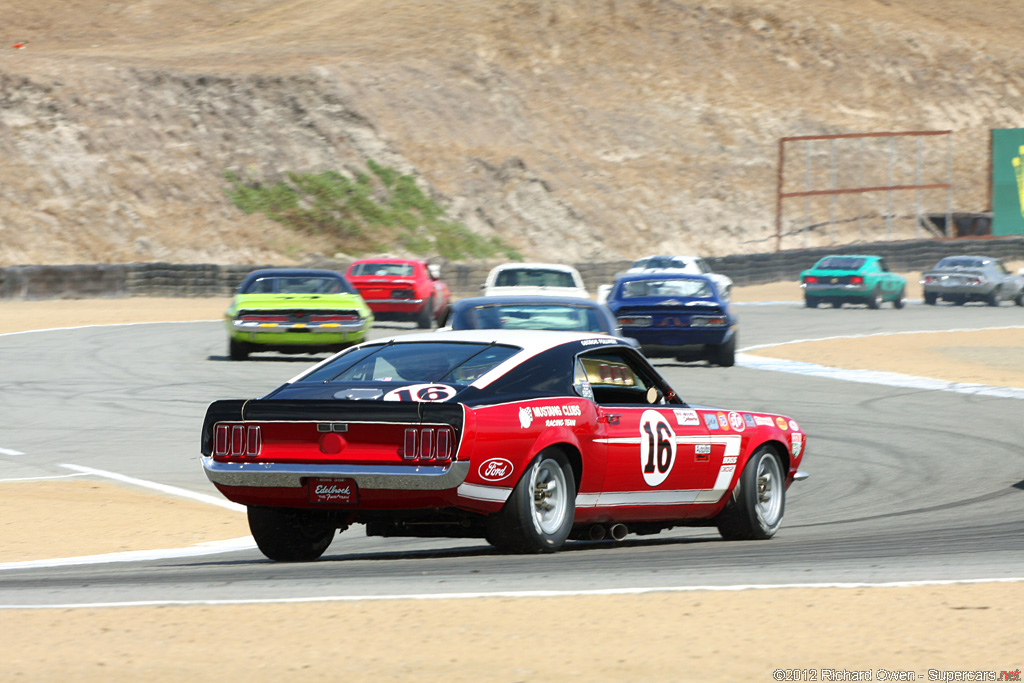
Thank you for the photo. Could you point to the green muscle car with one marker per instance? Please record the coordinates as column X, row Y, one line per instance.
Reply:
column 840, row 279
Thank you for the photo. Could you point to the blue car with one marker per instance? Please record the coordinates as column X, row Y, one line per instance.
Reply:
column 675, row 316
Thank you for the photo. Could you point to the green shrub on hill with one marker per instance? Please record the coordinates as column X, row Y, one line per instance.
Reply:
column 379, row 211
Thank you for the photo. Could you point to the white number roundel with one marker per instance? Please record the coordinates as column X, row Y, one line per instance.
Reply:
column 421, row 392
column 657, row 447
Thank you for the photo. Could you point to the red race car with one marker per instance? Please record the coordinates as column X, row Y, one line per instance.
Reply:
column 400, row 289
column 523, row 438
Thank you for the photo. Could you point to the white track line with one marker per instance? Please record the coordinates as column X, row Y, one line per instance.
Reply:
column 517, row 594
column 892, row 379
column 50, row 478
column 163, row 488
column 87, row 327
column 8, row 451
column 197, row 550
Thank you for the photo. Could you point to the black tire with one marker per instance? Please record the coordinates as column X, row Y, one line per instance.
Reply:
column 754, row 512
column 810, row 301
column 538, row 516
column 425, row 320
column 837, row 304
column 725, row 355
column 931, row 298
column 994, row 297
column 898, row 301
column 237, row 350
column 1020, row 298
column 290, row 535
column 874, row 300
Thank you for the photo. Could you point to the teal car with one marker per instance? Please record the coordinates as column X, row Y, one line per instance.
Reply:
column 840, row 279
column 295, row 310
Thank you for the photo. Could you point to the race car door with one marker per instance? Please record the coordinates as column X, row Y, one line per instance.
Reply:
column 661, row 459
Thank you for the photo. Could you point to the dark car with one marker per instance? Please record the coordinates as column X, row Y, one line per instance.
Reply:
column 676, row 316
column 572, row 314
column 960, row 279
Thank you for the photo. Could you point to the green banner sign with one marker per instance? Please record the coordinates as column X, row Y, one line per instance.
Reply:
column 1008, row 181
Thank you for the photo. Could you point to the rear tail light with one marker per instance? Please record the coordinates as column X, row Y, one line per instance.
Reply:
column 333, row 318
column 708, row 321
column 857, row 280
column 237, row 440
column 811, row 280
column 251, row 318
column 402, row 294
column 974, row 281
column 635, row 321
column 428, row 443
column 929, row 280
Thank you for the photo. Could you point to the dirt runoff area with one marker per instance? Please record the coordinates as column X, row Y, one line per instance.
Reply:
column 815, row 634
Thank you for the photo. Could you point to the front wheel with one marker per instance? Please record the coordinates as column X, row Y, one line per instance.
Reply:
column 538, row 516
column 290, row 535
column 755, row 510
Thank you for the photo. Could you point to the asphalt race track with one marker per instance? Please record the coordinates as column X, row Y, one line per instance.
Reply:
column 905, row 484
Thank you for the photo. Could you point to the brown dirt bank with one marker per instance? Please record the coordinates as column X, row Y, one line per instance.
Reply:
column 699, row 636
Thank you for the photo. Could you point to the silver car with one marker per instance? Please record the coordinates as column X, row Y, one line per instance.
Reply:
column 960, row 279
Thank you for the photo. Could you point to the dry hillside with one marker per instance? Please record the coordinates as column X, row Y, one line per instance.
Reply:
column 575, row 129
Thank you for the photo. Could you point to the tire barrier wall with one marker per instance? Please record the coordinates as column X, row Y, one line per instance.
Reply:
column 206, row 280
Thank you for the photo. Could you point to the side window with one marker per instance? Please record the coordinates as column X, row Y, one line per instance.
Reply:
column 614, row 381
column 882, row 266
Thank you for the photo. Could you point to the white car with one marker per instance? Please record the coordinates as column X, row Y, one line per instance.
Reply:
column 693, row 265
column 541, row 279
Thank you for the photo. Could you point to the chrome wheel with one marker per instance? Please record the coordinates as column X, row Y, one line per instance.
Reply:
column 550, row 497
column 769, row 490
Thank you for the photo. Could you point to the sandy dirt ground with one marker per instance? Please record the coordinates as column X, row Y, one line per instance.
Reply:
column 693, row 636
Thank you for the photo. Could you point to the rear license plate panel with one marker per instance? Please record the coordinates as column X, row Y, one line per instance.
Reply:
column 333, row 491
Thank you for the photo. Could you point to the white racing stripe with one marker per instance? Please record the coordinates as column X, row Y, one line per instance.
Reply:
column 520, row 594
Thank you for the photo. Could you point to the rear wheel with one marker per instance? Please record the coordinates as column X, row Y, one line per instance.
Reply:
column 290, row 535
column 1020, row 298
column 237, row 350
column 874, row 299
column 930, row 298
column 994, row 297
column 810, row 301
column 426, row 317
column 755, row 510
column 725, row 355
column 538, row 516
column 898, row 301
column 837, row 304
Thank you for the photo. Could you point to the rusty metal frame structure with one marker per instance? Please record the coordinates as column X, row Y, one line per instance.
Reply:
column 781, row 195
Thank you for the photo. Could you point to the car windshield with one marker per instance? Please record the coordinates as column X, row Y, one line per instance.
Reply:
column 450, row 362
column 296, row 284
column 535, row 317
column 960, row 262
column 400, row 269
column 691, row 289
column 534, row 277
column 840, row 263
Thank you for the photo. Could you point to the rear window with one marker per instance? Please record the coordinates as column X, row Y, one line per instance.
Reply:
column 840, row 263
column 397, row 269
column 691, row 289
column 961, row 262
column 535, row 317
column 534, row 277
column 448, row 362
column 297, row 284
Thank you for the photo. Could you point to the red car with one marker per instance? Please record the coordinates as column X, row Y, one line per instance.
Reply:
column 523, row 438
column 400, row 289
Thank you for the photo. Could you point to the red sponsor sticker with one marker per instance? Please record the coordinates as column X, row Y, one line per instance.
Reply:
column 332, row 491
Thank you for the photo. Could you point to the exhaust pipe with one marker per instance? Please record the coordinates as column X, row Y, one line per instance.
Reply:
column 596, row 532
column 618, row 531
